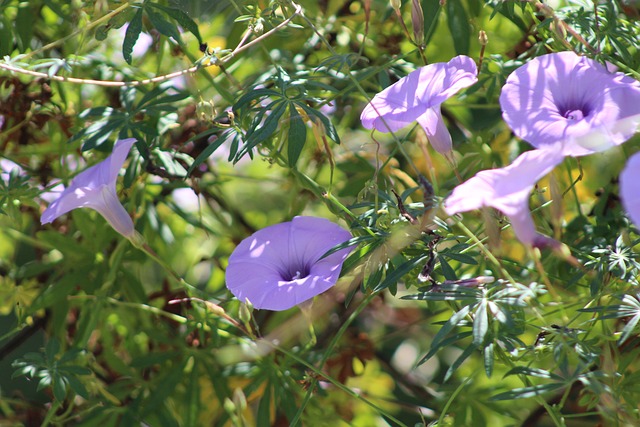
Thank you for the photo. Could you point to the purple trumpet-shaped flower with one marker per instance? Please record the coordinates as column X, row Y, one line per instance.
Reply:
column 95, row 188
column 563, row 98
column 629, row 190
column 280, row 266
column 508, row 190
column 418, row 96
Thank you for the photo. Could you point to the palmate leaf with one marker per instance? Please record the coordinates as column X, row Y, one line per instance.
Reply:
column 261, row 132
column 395, row 275
column 630, row 308
column 455, row 320
column 328, row 126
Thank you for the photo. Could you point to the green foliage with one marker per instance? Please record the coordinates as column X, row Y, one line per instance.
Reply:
column 247, row 114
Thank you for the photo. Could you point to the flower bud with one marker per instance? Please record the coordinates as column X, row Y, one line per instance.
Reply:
column 417, row 19
column 482, row 38
column 244, row 312
column 395, row 4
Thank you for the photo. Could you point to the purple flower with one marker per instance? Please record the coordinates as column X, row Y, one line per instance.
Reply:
column 95, row 188
column 418, row 96
column 572, row 100
column 508, row 190
column 280, row 266
column 629, row 190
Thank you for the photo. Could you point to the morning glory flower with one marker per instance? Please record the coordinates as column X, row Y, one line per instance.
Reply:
column 508, row 190
column 629, row 179
column 95, row 188
column 417, row 97
column 280, row 266
column 571, row 100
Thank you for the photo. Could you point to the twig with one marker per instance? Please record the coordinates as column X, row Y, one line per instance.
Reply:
column 112, row 83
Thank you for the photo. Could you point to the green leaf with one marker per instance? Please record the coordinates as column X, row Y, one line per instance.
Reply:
column 6, row 37
column 480, row 323
column 459, row 26
column 488, row 359
column 181, row 18
column 261, row 133
column 525, row 392
column 432, row 11
column 297, row 136
column 193, row 396
column 328, row 126
column 59, row 388
column 397, row 274
column 162, row 25
column 102, row 32
column 453, row 321
column 533, row 372
column 76, row 385
column 164, row 387
column 448, row 272
column 463, row 258
column 356, row 257
column 24, row 25
column 100, row 132
column 455, row 365
column 169, row 100
column 254, row 96
column 264, row 408
column 131, row 35
column 208, row 151
column 629, row 328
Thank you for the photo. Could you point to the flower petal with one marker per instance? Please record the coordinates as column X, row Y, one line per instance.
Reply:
column 507, row 189
column 107, row 170
column 266, row 247
column 437, row 132
column 629, row 189
column 428, row 86
column 565, row 97
column 503, row 188
column 312, row 237
column 68, row 200
column 264, row 267
column 105, row 201
column 95, row 188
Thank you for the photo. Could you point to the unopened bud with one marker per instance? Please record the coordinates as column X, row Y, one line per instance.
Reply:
column 417, row 19
column 482, row 38
column 443, row 2
column 244, row 312
column 395, row 4
column 239, row 400
column 214, row 308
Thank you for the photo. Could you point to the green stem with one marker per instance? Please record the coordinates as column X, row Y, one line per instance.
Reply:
column 338, row 385
column 328, row 351
column 136, row 305
column 355, row 83
column 486, row 251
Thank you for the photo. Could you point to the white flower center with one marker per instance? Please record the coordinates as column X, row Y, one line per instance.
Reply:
column 574, row 115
